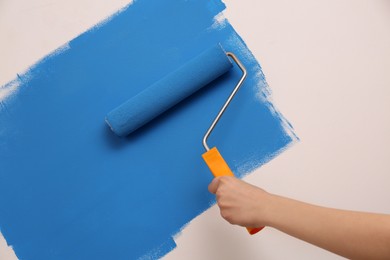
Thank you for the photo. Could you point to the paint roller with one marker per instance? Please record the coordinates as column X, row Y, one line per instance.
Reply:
column 173, row 88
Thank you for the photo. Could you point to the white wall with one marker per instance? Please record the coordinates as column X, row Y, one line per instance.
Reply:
column 328, row 65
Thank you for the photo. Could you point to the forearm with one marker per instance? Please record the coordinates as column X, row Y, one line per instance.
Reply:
column 351, row 234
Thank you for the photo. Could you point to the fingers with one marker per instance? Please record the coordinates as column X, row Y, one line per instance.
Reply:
column 213, row 186
column 240, row 203
column 217, row 182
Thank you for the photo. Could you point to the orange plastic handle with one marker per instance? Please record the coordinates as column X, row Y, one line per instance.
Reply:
column 219, row 167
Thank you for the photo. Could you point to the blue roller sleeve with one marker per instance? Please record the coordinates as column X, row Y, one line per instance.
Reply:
column 169, row 91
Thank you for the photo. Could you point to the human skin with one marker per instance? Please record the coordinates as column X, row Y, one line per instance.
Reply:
column 355, row 235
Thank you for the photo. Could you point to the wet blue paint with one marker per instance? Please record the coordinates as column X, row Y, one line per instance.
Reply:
column 71, row 189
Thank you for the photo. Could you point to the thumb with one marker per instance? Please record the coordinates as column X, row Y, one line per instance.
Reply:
column 213, row 186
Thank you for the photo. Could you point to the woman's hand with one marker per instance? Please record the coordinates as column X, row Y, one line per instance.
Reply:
column 355, row 235
column 240, row 203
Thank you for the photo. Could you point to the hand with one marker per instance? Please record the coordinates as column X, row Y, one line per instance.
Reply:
column 239, row 202
column 368, row 234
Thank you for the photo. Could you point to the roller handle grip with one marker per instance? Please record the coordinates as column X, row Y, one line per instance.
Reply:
column 219, row 167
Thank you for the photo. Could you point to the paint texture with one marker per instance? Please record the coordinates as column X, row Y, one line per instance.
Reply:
column 71, row 189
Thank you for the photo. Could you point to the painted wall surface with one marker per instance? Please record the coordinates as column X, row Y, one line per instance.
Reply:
column 70, row 189
column 327, row 64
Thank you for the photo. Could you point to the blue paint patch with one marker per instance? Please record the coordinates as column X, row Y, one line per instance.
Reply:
column 71, row 189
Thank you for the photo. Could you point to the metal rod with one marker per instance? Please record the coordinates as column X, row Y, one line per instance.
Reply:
column 244, row 73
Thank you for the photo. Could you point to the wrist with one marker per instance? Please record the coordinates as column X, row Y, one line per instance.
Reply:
column 264, row 212
column 273, row 210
